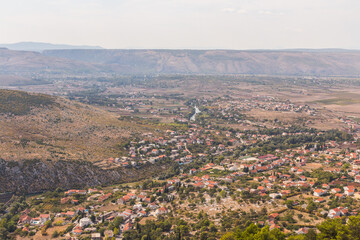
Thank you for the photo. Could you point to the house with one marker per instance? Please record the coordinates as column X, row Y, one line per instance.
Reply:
column 82, row 210
column 335, row 190
column 104, row 197
column 272, row 178
column 275, row 195
column 108, row 234
column 44, row 218
column 273, row 226
column 349, row 192
column 137, row 206
column 199, row 184
column 24, row 219
column 84, row 222
column 131, row 195
column 320, row 200
column 319, row 192
column 77, row 230
column 70, row 214
column 154, row 152
column 74, row 191
column 126, row 214
column 338, row 212
column 273, row 216
column 349, row 188
column 161, row 211
column 142, row 214
column 357, row 178
column 64, row 200
column 304, row 230
column 96, row 236
column 339, row 195
column 152, row 206
column 81, row 192
column 92, row 190
column 128, row 226
column 206, row 177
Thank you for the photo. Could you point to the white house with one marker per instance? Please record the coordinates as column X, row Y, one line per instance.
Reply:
column 84, row 222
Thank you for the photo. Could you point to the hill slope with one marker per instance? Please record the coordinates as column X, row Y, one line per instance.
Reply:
column 45, row 127
column 48, row 142
column 36, row 176
column 290, row 62
column 300, row 62
column 23, row 62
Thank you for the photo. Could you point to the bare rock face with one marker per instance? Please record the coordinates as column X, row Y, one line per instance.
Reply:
column 32, row 176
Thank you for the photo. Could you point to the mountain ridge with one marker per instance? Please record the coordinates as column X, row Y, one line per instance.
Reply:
column 214, row 62
column 149, row 61
column 41, row 46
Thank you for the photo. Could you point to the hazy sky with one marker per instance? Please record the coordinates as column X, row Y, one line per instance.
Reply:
column 225, row 24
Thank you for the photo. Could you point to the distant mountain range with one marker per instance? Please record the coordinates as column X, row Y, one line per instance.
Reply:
column 39, row 46
column 297, row 62
column 18, row 62
column 318, row 62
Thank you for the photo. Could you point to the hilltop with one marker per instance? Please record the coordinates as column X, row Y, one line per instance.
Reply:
column 40, row 46
column 46, row 127
column 21, row 103
column 27, row 63
column 48, row 142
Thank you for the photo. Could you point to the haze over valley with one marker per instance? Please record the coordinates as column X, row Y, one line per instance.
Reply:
column 179, row 120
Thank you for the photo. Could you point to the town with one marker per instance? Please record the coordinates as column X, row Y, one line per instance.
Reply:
column 286, row 178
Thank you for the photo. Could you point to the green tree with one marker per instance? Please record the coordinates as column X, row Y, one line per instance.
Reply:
column 332, row 229
column 354, row 227
column 116, row 231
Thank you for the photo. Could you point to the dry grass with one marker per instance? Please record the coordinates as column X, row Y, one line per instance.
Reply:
column 70, row 131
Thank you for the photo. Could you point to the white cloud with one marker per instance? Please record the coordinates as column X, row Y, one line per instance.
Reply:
column 263, row 12
column 229, row 10
column 294, row 29
column 233, row 10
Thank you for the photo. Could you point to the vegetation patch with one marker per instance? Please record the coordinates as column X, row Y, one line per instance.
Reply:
column 20, row 103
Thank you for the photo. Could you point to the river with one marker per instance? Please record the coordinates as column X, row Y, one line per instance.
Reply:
column 193, row 117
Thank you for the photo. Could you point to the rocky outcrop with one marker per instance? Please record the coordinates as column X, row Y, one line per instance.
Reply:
column 32, row 176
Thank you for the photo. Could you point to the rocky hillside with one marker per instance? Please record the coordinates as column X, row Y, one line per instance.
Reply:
column 48, row 142
column 299, row 62
column 35, row 126
column 33, row 176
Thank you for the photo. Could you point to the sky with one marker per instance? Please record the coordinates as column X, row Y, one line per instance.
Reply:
column 184, row 24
